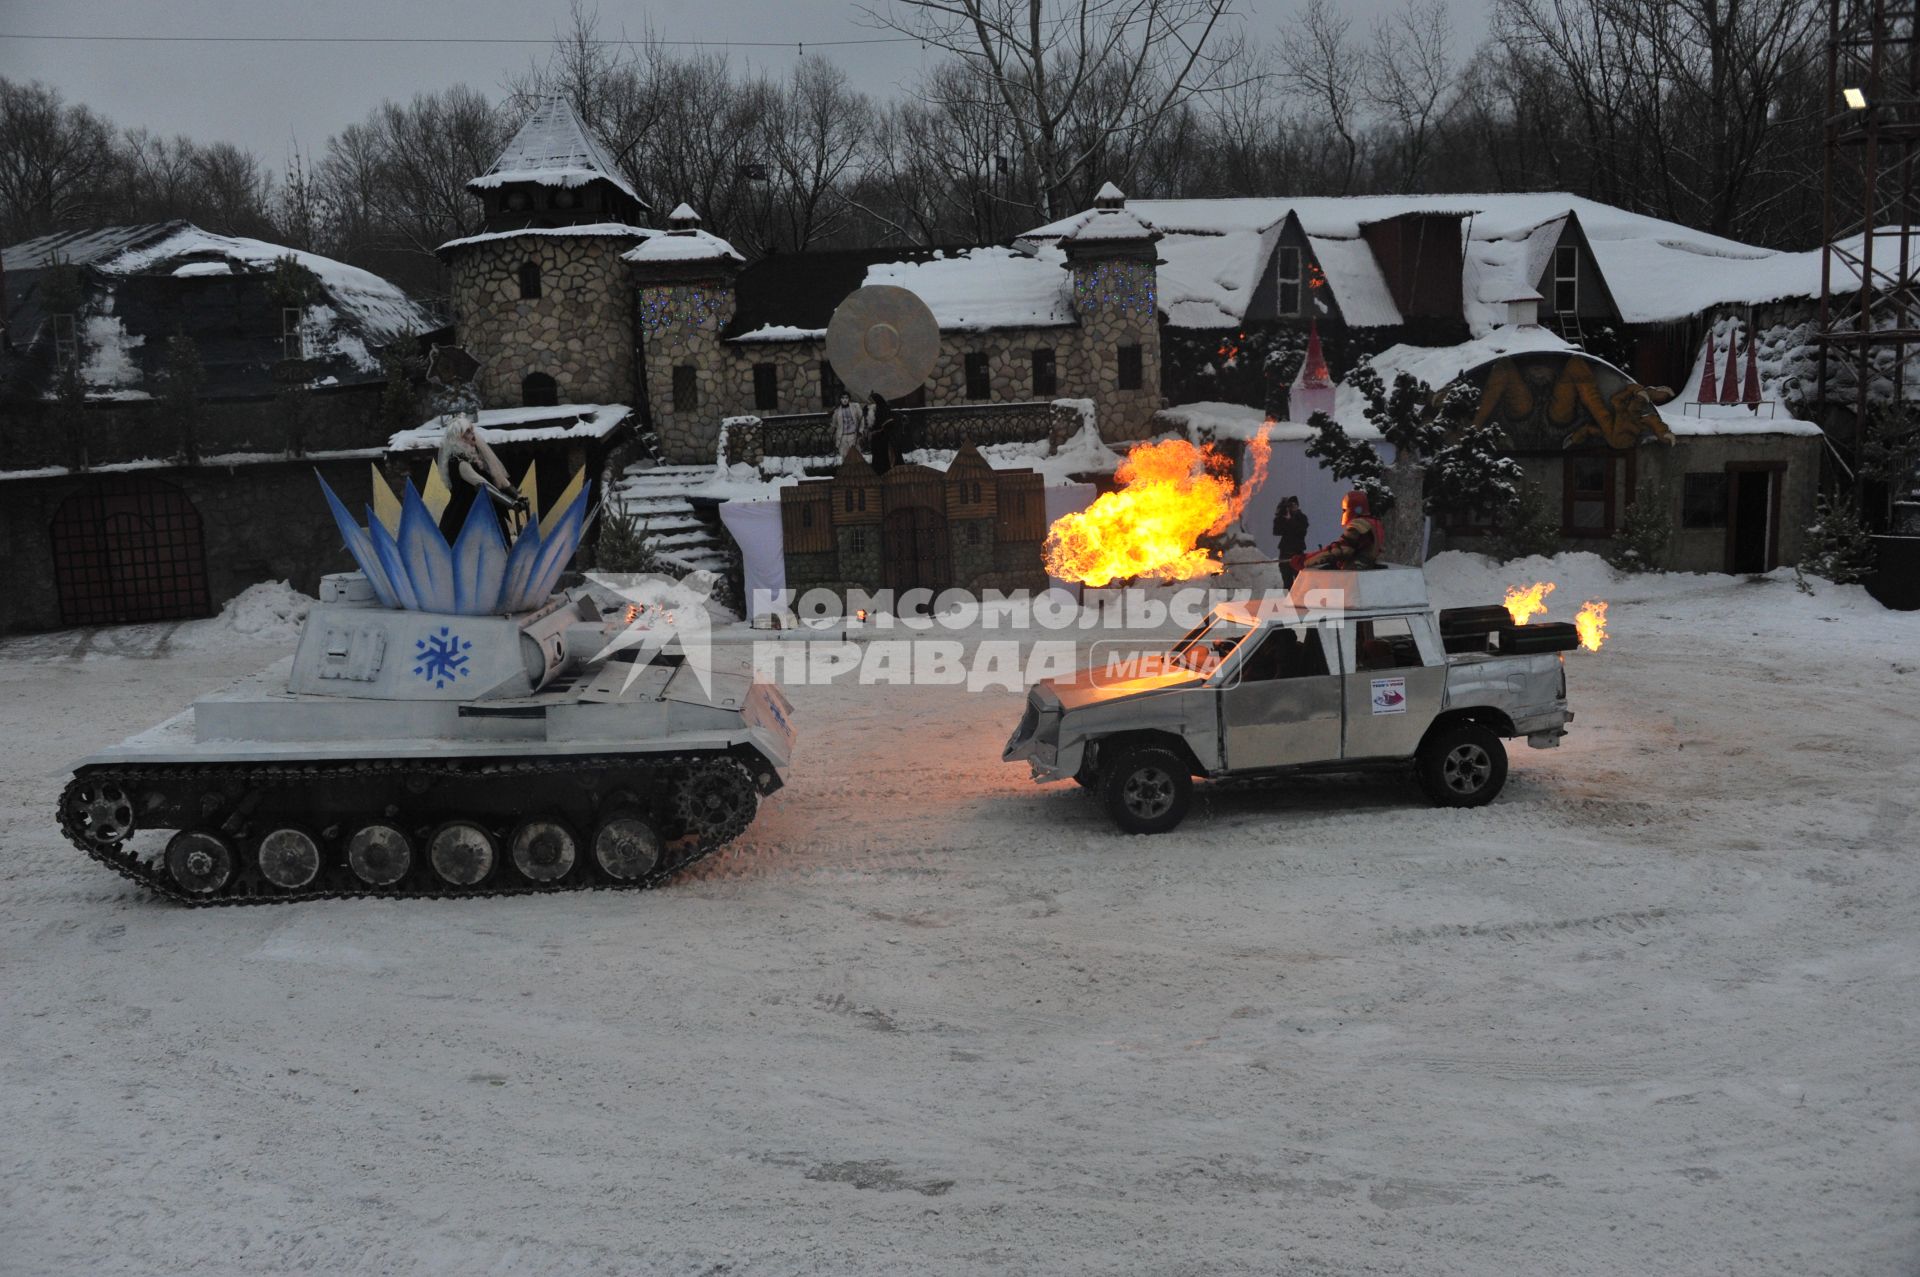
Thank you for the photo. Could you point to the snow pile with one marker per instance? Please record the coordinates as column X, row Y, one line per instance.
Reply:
column 270, row 612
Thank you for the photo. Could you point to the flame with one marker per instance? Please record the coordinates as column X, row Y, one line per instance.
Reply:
column 633, row 613
column 1525, row 602
column 1592, row 624
column 1171, row 494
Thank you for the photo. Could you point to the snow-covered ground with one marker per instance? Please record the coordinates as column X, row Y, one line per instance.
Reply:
column 1652, row 1012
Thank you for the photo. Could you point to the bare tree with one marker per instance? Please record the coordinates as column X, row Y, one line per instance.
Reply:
column 1040, row 58
column 815, row 136
column 1320, row 65
column 1409, row 79
column 53, row 158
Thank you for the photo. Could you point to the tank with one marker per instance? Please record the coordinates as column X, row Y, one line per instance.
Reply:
column 404, row 752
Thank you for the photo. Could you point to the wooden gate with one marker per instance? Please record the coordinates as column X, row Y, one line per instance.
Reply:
column 914, row 545
column 128, row 548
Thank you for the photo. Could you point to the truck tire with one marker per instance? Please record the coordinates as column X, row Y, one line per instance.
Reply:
column 1464, row 765
column 1147, row 789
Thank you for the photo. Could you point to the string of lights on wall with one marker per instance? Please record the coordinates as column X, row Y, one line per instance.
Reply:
column 685, row 309
column 1124, row 286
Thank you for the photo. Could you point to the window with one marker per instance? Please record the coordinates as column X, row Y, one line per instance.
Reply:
column 538, row 390
column 66, row 345
column 564, row 197
column 830, row 386
column 979, row 385
column 806, row 515
column 973, row 534
column 293, row 341
column 1287, row 651
column 686, row 388
column 1588, row 500
column 766, row 387
column 1385, row 644
column 858, row 541
column 1703, row 501
column 1566, row 278
column 1130, row 376
column 856, row 499
column 1286, row 280
column 975, row 490
column 519, row 201
column 1045, row 383
column 529, row 281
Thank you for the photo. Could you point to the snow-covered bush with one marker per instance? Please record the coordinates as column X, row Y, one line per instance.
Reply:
column 622, row 546
column 1530, row 528
column 1838, row 546
column 1645, row 531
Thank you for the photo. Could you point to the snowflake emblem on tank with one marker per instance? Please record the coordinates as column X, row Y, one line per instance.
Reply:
column 442, row 657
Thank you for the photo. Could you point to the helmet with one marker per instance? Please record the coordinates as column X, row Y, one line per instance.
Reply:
column 1353, row 506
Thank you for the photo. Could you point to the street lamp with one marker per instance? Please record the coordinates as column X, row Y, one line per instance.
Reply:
column 1856, row 99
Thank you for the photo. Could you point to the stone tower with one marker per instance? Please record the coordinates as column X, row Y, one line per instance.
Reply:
column 685, row 278
column 1114, row 263
column 541, row 297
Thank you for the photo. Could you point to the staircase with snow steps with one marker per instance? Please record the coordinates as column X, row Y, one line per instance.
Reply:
column 673, row 529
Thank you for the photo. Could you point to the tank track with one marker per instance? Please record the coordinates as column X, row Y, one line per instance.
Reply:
column 337, row 882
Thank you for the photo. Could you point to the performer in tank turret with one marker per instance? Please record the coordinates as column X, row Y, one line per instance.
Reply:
column 1359, row 543
column 469, row 467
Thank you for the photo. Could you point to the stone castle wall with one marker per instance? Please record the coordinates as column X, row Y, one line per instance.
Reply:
column 579, row 331
column 680, row 325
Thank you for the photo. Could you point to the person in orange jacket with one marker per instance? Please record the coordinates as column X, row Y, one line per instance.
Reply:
column 1358, row 546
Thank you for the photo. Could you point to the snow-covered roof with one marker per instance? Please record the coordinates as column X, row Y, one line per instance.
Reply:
column 684, row 245
column 1110, row 226
column 378, row 308
column 521, row 425
column 553, row 148
column 591, row 228
column 1656, row 270
column 982, row 288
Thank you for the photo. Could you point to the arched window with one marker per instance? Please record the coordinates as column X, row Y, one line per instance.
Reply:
column 529, row 280
column 538, row 390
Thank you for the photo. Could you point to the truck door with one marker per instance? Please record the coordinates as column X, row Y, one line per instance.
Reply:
column 1280, row 701
column 1394, row 685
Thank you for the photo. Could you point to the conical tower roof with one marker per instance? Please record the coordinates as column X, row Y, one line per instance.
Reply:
column 554, row 147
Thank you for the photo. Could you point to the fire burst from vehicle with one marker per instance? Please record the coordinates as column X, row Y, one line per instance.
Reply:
column 1171, row 494
column 1592, row 624
column 1524, row 602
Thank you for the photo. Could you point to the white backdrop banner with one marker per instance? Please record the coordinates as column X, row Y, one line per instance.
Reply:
column 755, row 526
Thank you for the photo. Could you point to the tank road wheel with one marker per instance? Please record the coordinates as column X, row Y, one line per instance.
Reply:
column 379, row 855
column 543, row 849
column 199, row 861
column 461, row 852
column 100, row 811
column 1147, row 790
column 626, row 847
column 289, row 857
column 716, row 801
column 1462, row 766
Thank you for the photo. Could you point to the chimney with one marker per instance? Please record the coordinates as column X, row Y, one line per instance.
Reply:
column 683, row 218
column 1109, row 196
column 1523, row 312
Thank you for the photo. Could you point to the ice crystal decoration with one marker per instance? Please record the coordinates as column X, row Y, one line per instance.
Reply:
column 442, row 657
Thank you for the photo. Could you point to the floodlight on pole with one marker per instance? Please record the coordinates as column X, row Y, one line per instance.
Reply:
column 1856, row 99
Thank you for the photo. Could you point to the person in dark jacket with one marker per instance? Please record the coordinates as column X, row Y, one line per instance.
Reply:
column 1290, row 525
column 880, row 433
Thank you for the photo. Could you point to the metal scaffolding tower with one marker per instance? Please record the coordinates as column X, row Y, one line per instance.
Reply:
column 1869, row 305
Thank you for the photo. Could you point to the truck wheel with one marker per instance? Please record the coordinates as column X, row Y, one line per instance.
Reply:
column 1462, row 766
column 1147, row 790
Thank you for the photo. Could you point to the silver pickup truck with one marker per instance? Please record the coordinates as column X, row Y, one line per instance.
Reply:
column 1353, row 670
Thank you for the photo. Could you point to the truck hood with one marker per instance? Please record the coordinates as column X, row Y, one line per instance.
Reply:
column 1094, row 686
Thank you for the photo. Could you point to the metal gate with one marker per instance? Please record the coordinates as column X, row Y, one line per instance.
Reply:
column 128, row 548
column 914, row 546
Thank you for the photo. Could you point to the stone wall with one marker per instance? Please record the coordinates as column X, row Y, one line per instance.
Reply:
column 259, row 522
column 680, row 325
column 579, row 331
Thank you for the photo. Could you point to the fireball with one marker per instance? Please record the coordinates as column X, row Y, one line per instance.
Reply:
column 1525, row 602
column 1592, row 624
column 1171, row 494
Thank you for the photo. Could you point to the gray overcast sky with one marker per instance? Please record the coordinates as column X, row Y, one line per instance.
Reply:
column 267, row 96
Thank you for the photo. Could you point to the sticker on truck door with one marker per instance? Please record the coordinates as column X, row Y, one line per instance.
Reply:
column 1389, row 695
